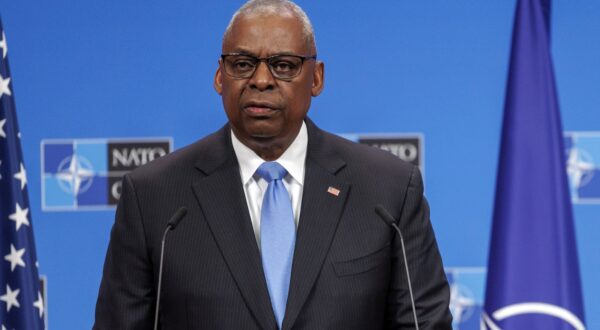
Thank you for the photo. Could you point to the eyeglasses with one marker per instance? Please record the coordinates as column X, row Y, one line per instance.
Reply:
column 283, row 67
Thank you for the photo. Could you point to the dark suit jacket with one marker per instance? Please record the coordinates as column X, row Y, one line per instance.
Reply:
column 347, row 271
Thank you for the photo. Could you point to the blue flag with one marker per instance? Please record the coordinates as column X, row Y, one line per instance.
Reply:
column 533, row 274
column 21, row 303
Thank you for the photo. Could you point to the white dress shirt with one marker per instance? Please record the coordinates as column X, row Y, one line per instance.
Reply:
column 293, row 160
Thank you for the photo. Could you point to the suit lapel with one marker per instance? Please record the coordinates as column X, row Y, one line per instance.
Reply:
column 221, row 198
column 323, row 201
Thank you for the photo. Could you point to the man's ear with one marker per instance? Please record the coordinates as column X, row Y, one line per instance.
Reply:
column 218, row 83
column 318, row 78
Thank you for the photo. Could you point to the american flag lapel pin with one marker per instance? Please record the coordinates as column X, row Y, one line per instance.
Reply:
column 333, row 191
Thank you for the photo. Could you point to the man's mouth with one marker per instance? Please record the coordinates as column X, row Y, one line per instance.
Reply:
column 260, row 109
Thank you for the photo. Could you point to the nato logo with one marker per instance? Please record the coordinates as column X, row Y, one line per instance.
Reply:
column 85, row 174
column 408, row 147
column 467, row 287
column 583, row 166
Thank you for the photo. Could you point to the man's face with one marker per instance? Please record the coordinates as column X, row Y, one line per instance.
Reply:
column 265, row 112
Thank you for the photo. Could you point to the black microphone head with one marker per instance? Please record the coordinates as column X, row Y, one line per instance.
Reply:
column 384, row 215
column 177, row 217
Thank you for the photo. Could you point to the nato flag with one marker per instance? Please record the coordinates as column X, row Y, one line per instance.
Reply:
column 533, row 273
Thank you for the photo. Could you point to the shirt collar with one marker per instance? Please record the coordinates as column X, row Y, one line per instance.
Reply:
column 293, row 159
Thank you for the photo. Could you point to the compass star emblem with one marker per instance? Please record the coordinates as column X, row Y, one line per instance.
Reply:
column 75, row 174
column 580, row 168
column 462, row 303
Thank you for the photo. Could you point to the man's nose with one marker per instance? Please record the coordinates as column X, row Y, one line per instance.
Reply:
column 262, row 79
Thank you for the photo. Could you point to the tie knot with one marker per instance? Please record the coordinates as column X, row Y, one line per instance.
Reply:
column 271, row 171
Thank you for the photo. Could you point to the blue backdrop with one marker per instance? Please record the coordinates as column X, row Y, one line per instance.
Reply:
column 104, row 69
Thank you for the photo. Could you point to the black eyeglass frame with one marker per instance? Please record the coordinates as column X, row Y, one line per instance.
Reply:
column 266, row 60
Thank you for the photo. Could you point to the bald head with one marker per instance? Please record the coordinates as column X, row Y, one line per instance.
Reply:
column 283, row 8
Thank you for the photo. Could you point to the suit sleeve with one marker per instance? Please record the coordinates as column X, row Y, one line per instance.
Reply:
column 126, row 296
column 430, row 287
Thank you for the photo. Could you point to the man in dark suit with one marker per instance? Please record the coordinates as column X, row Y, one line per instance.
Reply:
column 245, row 258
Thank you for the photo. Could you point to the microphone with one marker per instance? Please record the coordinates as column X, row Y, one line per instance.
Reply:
column 177, row 217
column 171, row 225
column 389, row 220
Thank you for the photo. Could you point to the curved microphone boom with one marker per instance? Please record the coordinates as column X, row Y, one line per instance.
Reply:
column 173, row 222
column 389, row 220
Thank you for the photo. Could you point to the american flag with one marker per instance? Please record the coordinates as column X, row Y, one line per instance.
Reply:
column 21, row 303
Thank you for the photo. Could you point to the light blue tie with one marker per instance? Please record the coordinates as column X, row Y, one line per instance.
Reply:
column 277, row 236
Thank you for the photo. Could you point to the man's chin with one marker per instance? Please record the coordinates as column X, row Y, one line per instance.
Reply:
column 263, row 136
column 263, row 131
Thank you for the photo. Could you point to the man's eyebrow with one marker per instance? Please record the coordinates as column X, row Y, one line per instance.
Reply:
column 243, row 51
column 286, row 53
column 247, row 52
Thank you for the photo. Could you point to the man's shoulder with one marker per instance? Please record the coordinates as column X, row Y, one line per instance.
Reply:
column 183, row 161
column 364, row 156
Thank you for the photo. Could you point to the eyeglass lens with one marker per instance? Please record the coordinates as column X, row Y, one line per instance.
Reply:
column 243, row 66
